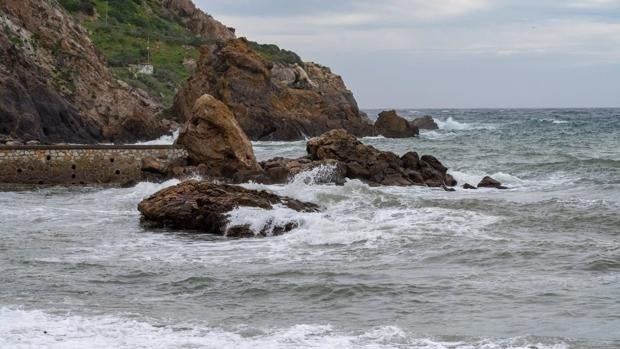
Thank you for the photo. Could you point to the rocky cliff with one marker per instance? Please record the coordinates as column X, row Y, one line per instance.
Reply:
column 54, row 85
column 198, row 22
column 272, row 100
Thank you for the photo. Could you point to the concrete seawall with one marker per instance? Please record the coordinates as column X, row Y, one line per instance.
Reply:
column 81, row 164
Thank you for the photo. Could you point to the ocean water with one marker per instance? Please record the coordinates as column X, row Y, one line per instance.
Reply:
column 536, row 266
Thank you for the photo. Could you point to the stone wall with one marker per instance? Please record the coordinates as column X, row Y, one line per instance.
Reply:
column 80, row 165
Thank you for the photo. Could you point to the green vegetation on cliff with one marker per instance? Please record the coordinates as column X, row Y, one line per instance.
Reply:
column 123, row 29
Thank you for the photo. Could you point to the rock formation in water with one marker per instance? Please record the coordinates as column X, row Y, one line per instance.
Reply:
column 488, row 182
column 55, row 87
column 204, row 207
column 272, row 101
column 425, row 123
column 212, row 137
column 352, row 159
column 391, row 125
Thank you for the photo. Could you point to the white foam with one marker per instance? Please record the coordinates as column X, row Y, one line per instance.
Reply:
column 21, row 329
column 167, row 139
column 261, row 220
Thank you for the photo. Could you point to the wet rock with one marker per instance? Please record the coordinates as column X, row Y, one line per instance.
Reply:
column 425, row 123
column 469, row 186
column 390, row 125
column 282, row 170
column 212, row 137
column 204, row 206
column 488, row 182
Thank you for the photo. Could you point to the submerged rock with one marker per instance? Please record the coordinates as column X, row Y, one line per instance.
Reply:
column 212, row 137
column 469, row 186
column 391, row 125
column 425, row 123
column 488, row 182
column 204, row 207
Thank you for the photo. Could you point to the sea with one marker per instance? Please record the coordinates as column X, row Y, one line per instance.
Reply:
column 536, row 266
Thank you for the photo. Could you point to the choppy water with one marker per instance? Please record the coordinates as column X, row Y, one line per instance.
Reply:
column 537, row 266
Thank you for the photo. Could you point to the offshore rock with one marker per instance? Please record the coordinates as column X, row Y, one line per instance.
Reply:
column 282, row 170
column 377, row 167
column 272, row 101
column 488, row 182
column 212, row 137
column 425, row 123
column 204, row 207
column 391, row 125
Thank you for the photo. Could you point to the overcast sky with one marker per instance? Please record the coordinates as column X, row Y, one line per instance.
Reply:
column 448, row 53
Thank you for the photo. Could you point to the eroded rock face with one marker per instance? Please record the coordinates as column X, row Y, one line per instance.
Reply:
column 425, row 123
column 272, row 102
column 198, row 22
column 391, row 125
column 55, row 87
column 204, row 206
column 377, row 167
column 212, row 137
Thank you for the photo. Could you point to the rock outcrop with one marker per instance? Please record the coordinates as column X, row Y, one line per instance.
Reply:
column 391, row 125
column 488, row 182
column 425, row 123
column 271, row 101
column 213, row 137
column 377, row 167
column 204, row 207
column 55, row 87
column 198, row 22
column 282, row 170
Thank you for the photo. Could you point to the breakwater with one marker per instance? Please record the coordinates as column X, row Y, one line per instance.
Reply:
column 81, row 164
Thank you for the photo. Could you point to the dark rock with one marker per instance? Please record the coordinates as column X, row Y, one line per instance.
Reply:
column 469, row 186
column 411, row 160
column 390, row 125
column 282, row 170
column 488, row 182
column 203, row 206
column 425, row 123
column 450, row 181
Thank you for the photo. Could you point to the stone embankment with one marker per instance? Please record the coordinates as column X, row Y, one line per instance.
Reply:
column 82, row 164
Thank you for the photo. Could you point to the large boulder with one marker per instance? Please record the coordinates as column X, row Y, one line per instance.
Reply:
column 391, row 125
column 425, row 123
column 204, row 207
column 272, row 101
column 213, row 137
column 377, row 167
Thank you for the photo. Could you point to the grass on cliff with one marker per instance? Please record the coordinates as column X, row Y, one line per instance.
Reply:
column 122, row 29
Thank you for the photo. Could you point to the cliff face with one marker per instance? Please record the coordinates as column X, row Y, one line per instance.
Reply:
column 272, row 100
column 198, row 22
column 54, row 86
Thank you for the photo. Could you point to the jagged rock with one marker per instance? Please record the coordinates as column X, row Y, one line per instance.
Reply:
column 390, row 125
column 267, row 99
column 469, row 186
column 488, row 182
column 425, row 123
column 198, row 22
column 376, row 167
column 213, row 137
column 54, row 85
column 203, row 206
column 281, row 170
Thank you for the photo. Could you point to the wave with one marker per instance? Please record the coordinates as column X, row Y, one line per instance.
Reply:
column 167, row 139
column 38, row 329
